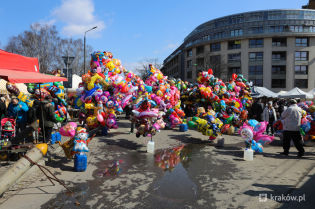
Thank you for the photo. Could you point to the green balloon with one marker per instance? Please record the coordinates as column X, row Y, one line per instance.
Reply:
column 229, row 120
column 194, row 119
column 191, row 124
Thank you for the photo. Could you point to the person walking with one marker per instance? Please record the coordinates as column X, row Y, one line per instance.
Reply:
column 3, row 107
column 18, row 110
column 270, row 116
column 291, row 126
column 257, row 110
column 47, row 118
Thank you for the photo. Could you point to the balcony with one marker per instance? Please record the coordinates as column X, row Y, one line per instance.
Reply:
column 234, row 63
column 279, row 61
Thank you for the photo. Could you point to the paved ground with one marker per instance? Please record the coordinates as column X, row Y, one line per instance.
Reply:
column 206, row 177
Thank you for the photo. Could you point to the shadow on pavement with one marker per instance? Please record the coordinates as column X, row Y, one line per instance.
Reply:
column 59, row 162
column 186, row 138
column 292, row 155
column 124, row 143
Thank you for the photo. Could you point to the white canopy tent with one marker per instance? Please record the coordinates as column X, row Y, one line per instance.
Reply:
column 263, row 92
column 312, row 92
column 296, row 93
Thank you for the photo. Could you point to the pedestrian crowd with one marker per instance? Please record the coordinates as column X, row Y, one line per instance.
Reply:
column 290, row 115
column 40, row 118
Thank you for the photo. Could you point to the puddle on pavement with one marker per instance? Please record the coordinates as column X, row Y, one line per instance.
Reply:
column 169, row 179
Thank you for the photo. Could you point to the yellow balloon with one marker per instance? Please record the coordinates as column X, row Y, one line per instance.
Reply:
column 110, row 65
column 159, row 76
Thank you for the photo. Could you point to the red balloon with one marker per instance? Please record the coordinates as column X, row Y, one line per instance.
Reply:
column 210, row 71
column 234, row 76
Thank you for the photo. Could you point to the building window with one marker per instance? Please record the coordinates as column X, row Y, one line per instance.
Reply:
column 301, row 69
column 200, row 50
column 189, row 63
column 234, row 44
column 301, row 83
column 256, row 30
column 215, row 60
column 256, row 43
column 278, row 70
column 215, row 47
column 296, row 28
column 200, row 62
column 301, row 56
column 237, row 32
column 235, row 70
column 278, row 83
column 257, row 82
column 255, row 70
column 189, row 75
column 234, row 57
column 256, row 56
column 189, row 53
column 276, row 29
column 279, row 56
column 231, row 70
column 301, row 42
column 279, row 42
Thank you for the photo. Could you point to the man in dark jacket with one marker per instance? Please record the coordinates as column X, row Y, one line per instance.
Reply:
column 47, row 117
column 257, row 109
column 3, row 108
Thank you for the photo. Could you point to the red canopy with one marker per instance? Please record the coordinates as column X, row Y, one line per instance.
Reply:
column 19, row 69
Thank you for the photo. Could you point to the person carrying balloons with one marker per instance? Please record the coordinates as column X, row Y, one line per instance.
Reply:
column 292, row 122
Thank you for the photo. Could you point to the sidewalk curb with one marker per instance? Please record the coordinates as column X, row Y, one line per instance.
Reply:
column 33, row 169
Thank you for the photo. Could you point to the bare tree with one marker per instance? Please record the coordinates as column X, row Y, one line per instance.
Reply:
column 44, row 42
column 144, row 65
column 40, row 41
column 74, row 48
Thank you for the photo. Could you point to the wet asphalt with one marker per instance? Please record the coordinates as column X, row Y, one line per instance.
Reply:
column 186, row 171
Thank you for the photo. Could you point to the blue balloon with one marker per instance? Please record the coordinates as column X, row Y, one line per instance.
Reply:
column 253, row 122
column 306, row 127
column 256, row 146
column 148, row 88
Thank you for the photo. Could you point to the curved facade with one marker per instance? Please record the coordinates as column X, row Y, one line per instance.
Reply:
column 273, row 48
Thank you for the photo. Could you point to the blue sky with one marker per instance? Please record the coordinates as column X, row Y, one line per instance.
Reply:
column 131, row 30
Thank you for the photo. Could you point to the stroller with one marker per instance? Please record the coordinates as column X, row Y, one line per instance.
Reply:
column 7, row 129
column 7, row 133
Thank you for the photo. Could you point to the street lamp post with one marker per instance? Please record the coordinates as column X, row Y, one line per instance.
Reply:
column 85, row 44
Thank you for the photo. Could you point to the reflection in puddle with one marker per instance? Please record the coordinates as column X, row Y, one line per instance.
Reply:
column 175, row 185
column 172, row 178
column 169, row 158
column 113, row 169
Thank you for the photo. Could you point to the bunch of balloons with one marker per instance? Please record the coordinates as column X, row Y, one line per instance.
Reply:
column 252, row 131
column 226, row 102
column 40, row 91
column 108, row 88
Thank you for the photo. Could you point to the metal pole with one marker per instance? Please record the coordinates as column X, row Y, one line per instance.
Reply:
column 85, row 45
column 42, row 114
column 84, row 52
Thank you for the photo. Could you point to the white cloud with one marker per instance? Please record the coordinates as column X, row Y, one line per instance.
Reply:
column 78, row 16
column 47, row 22
column 133, row 66
column 171, row 46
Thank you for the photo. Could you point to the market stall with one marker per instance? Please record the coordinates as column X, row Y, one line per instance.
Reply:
column 296, row 93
